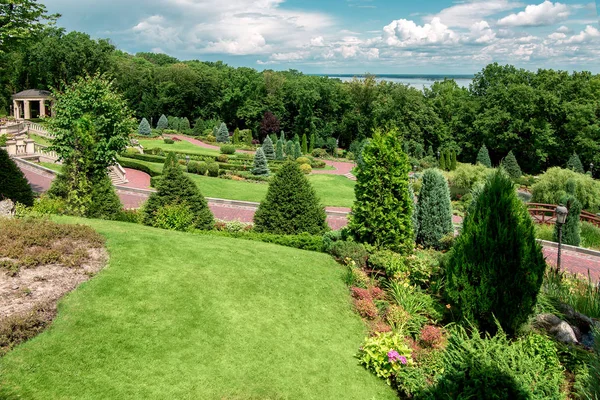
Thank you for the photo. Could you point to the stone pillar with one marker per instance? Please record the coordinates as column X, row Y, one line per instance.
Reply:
column 29, row 146
column 27, row 109
column 15, row 109
column 11, row 147
column 42, row 108
column 51, row 108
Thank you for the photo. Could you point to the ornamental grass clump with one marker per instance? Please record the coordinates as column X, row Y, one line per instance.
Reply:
column 382, row 213
column 434, row 210
column 291, row 205
column 495, row 269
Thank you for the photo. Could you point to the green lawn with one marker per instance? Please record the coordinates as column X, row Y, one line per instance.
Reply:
column 181, row 316
column 178, row 146
column 52, row 166
column 40, row 139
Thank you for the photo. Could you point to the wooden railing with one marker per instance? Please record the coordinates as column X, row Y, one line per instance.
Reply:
column 546, row 214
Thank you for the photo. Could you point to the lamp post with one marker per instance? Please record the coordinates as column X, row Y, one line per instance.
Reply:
column 414, row 176
column 592, row 169
column 438, row 155
column 187, row 160
column 561, row 218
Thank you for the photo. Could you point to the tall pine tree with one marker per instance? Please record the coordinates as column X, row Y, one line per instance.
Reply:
column 511, row 166
column 434, row 210
column 223, row 134
column 268, row 149
column 261, row 166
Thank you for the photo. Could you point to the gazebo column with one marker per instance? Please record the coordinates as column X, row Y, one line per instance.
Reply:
column 27, row 109
column 15, row 109
column 42, row 108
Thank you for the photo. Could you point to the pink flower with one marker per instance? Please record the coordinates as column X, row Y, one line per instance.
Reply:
column 403, row 360
column 393, row 356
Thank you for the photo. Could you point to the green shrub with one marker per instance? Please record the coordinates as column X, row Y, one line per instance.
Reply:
column 496, row 268
column 129, row 163
column 105, row 203
column 222, row 134
column 13, row 184
column 343, row 250
column 202, row 168
column 297, row 150
column 173, row 123
column 590, row 236
column 268, row 148
column 319, row 153
column 571, row 229
column 483, row 157
column 228, row 149
column 466, row 176
column 385, row 354
column 168, row 141
column 389, row 262
column 47, row 205
column 433, row 211
column 420, row 306
column 145, row 157
column 574, row 164
column 3, row 139
column 144, row 127
column 261, row 167
column 184, row 125
column 302, row 241
column 382, row 213
column 303, row 160
column 279, row 155
column 222, row 158
column 304, row 144
column 551, row 187
column 192, row 167
column 176, row 217
column 306, row 169
column 213, row 169
column 511, row 166
column 289, row 149
column 163, row 123
column 478, row 367
column 291, row 205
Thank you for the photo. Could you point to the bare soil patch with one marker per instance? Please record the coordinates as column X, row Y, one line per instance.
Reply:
column 40, row 261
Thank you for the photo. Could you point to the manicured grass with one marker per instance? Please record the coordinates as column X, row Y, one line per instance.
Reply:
column 177, row 146
column 40, row 139
column 52, row 166
column 182, row 316
column 228, row 189
column 590, row 234
column 334, row 190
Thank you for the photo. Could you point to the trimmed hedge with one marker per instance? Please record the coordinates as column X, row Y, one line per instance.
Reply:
column 145, row 157
column 129, row 163
column 303, row 241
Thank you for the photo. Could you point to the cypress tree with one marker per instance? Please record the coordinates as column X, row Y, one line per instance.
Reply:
column 215, row 131
column 175, row 188
column 297, row 150
column 199, row 127
column 430, row 151
column 311, row 145
column 279, row 151
column 453, row 161
column 443, row 160
column 163, row 123
column 574, row 164
column 13, row 184
column 382, row 213
column 105, row 203
column 304, row 144
column 434, row 210
column 184, row 124
column 144, row 127
column 483, row 157
column 173, row 123
column 571, row 229
column 268, row 149
column 511, row 166
column 273, row 138
column 296, row 138
column 261, row 166
column 289, row 149
column 236, row 136
column 291, row 205
column 495, row 269
column 282, row 137
column 223, row 134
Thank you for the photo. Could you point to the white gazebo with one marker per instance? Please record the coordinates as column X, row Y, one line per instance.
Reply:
column 32, row 103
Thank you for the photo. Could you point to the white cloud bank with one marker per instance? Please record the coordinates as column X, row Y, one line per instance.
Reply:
column 546, row 13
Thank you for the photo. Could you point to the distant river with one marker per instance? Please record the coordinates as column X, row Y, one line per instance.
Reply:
column 416, row 81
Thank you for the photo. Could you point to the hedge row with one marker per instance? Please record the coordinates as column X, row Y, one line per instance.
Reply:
column 131, row 163
column 303, row 241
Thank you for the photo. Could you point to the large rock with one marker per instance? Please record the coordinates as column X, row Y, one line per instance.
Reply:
column 7, row 208
column 561, row 330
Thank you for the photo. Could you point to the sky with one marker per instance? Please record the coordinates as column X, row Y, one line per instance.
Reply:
column 349, row 36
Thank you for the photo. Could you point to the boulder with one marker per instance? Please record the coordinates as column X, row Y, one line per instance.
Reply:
column 561, row 330
column 7, row 208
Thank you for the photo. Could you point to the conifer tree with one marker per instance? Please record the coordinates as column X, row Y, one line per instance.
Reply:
column 268, row 149
column 571, row 229
column 184, row 124
column 296, row 138
column 282, row 137
column 443, row 160
column 434, row 210
column 279, row 151
column 453, row 161
column 311, row 145
column 163, row 123
column 236, row 136
column 382, row 213
column 144, row 127
column 304, row 144
column 105, row 203
column 496, row 267
column 297, row 150
column 574, row 164
column 430, row 151
column 291, row 206
column 273, row 139
column 175, row 188
column 483, row 157
column 222, row 134
column 173, row 123
column 289, row 149
column 261, row 166
column 13, row 184
column 199, row 127
column 511, row 166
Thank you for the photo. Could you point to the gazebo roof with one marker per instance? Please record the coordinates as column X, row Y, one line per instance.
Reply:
column 32, row 94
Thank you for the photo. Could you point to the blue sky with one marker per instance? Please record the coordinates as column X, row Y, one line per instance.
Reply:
column 349, row 36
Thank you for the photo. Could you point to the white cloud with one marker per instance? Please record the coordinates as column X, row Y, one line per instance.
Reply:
column 481, row 32
column 402, row 32
column 563, row 29
column 467, row 13
column 557, row 36
column 546, row 13
column 317, row 41
column 590, row 33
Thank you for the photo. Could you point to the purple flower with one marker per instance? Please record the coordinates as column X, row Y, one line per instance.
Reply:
column 393, row 356
column 403, row 359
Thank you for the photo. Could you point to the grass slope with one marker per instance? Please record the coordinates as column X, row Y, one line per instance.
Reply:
column 178, row 146
column 180, row 316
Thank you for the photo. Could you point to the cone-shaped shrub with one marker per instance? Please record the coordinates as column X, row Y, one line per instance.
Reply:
column 144, row 127
column 483, row 157
column 13, row 184
column 311, row 144
column 105, row 203
column 173, row 123
column 511, row 166
column 430, row 151
column 268, row 149
column 443, row 161
column 174, row 188
column 279, row 151
column 296, row 138
column 223, row 134
column 184, row 124
column 291, row 206
column 574, row 164
column 571, row 230
column 304, row 144
column 496, row 268
column 453, row 161
column 261, row 166
column 297, row 150
column 289, row 149
column 163, row 122
column 434, row 210
column 382, row 213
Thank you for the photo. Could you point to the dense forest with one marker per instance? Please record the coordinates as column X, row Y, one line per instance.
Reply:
column 543, row 117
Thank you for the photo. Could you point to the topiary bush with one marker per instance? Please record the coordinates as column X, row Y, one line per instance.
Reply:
column 222, row 134
column 13, row 184
column 306, row 169
column 202, row 168
column 279, row 155
column 105, row 203
column 434, row 210
column 345, row 249
column 382, row 213
column 574, row 164
column 303, row 160
column 483, row 157
column 304, row 144
column 176, row 217
column 144, row 128
column 291, row 205
column 176, row 189
column 228, row 149
column 213, row 169
column 511, row 166
column 163, row 123
column 268, row 148
column 261, row 166
column 289, row 149
column 496, row 268
column 184, row 125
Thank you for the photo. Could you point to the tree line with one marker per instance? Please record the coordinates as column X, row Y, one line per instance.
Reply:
column 543, row 117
